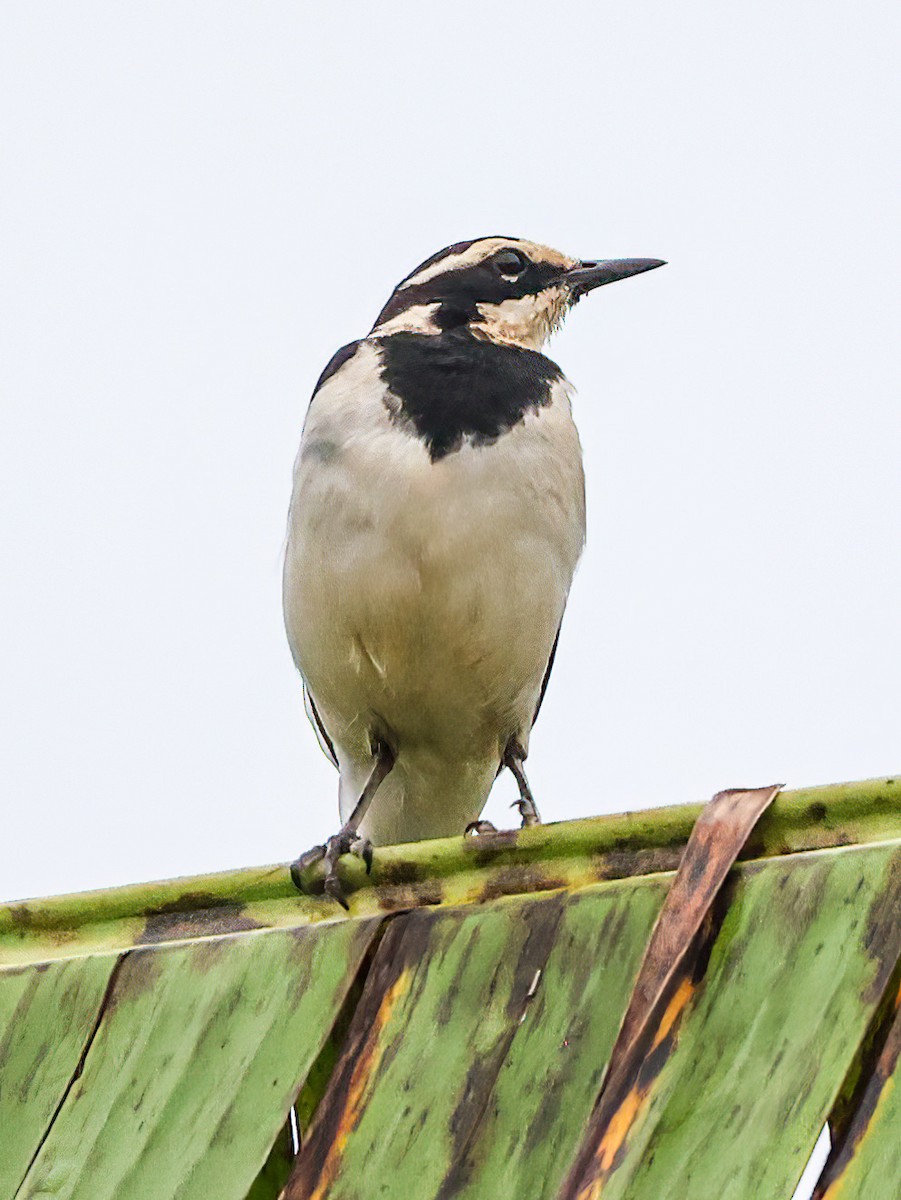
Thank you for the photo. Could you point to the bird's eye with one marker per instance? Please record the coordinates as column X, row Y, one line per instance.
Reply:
column 509, row 262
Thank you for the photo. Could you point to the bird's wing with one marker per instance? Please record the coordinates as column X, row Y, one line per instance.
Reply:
column 547, row 673
column 322, row 737
column 335, row 363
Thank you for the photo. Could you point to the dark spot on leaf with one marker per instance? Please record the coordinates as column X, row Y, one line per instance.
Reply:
column 137, row 973
column 399, row 872
column 486, row 848
column 883, row 936
column 194, row 916
column 404, row 896
column 21, row 917
column 516, row 880
column 622, row 864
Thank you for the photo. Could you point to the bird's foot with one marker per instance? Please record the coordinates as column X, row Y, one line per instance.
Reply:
column 474, row 828
column 345, row 841
column 528, row 816
column 528, row 812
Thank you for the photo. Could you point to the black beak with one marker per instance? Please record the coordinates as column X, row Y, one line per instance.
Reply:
column 590, row 275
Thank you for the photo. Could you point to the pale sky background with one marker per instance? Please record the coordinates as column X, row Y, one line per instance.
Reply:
column 201, row 201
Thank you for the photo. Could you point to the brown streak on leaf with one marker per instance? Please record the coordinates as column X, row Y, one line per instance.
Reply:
column 680, row 939
column 658, row 1040
column 719, row 834
column 363, row 1069
column 544, row 922
column 318, row 1164
column 673, row 1011
column 860, row 1125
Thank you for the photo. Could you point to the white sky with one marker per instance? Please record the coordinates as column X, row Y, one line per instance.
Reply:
column 200, row 202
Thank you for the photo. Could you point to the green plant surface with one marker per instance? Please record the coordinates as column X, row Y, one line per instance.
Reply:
column 448, row 1038
column 444, row 998
column 865, row 1163
column 479, row 1044
column 796, row 973
column 47, row 1017
column 545, row 1088
column 272, row 1178
column 195, row 1063
column 571, row 854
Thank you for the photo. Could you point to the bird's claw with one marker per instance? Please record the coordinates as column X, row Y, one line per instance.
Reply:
column 475, row 828
column 345, row 841
column 303, row 863
column 528, row 813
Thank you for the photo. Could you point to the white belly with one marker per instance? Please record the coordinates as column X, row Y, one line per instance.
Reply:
column 422, row 599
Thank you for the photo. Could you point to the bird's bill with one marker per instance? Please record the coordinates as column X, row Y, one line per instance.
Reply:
column 587, row 276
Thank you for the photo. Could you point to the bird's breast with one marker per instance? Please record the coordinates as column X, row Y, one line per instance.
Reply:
column 413, row 582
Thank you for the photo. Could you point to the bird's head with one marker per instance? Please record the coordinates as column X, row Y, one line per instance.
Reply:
column 503, row 289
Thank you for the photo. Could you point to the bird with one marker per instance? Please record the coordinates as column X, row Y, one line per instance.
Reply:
column 437, row 516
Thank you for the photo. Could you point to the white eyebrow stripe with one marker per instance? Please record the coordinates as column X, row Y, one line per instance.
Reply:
column 483, row 249
column 470, row 257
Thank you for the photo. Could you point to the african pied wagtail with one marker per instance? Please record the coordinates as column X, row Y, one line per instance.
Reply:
column 437, row 517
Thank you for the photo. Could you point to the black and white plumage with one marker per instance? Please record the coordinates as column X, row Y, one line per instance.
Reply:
column 436, row 521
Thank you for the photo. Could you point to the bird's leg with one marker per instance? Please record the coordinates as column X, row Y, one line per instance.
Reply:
column 514, row 756
column 347, row 840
